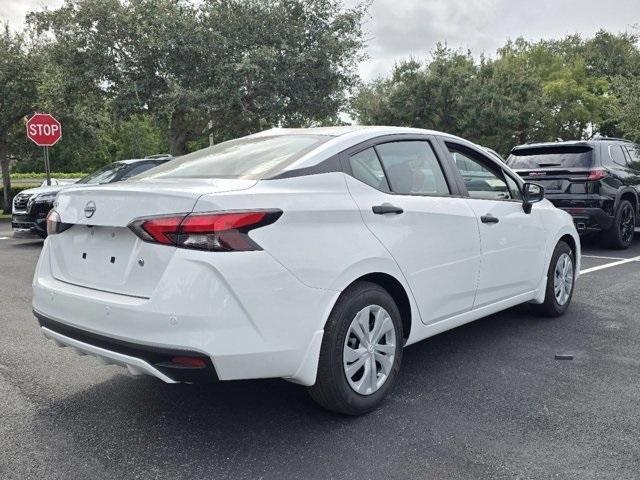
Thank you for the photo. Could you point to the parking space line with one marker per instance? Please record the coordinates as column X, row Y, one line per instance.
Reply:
column 600, row 256
column 4, row 238
column 607, row 265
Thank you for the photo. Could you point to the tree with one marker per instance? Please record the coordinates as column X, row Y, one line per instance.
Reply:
column 18, row 93
column 529, row 92
column 242, row 65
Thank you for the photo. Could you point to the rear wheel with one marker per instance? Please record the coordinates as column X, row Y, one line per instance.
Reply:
column 560, row 282
column 361, row 351
column 620, row 235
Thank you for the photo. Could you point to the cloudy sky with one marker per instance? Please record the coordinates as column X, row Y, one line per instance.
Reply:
column 402, row 28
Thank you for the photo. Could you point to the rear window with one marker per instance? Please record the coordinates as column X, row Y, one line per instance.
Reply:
column 245, row 158
column 551, row 157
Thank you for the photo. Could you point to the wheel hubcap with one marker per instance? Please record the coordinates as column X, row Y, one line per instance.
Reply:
column 627, row 224
column 563, row 278
column 369, row 350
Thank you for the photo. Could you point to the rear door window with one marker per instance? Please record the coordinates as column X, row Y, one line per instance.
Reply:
column 412, row 168
column 573, row 156
column 634, row 154
column 617, row 155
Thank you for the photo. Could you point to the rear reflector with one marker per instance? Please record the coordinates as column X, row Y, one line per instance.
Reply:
column 191, row 362
column 216, row 231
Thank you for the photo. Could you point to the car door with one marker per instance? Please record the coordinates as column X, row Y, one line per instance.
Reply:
column 512, row 241
column 408, row 203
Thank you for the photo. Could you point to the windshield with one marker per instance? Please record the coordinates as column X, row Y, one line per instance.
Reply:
column 245, row 158
column 551, row 157
column 104, row 174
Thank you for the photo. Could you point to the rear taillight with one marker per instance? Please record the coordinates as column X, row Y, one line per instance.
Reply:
column 54, row 223
column 215, row 232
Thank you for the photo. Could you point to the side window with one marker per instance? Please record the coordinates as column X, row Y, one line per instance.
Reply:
column 617, row 155
column 366, row 168
column 482, row 179
column 634, row 154
column 412, row 168
column 514, row 188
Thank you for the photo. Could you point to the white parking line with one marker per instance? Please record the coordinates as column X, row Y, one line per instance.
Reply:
column 4, row 238
column 607, row 265
column 600, row 256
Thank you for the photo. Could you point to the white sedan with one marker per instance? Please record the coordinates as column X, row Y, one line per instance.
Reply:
column 314, row 255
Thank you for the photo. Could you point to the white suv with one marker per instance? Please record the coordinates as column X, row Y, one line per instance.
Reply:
column 314, row 255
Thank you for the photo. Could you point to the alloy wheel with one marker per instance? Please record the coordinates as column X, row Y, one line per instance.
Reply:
column 627, row 224
column 563, row 278
column 369, row 350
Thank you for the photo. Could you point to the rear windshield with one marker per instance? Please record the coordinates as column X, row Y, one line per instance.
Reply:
column 245, row 158
column 551, row 157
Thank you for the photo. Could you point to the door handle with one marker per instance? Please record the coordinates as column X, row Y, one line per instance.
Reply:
column 488, row 218
column 386, row 208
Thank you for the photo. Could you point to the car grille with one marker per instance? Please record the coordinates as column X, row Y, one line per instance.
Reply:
column 20, row 202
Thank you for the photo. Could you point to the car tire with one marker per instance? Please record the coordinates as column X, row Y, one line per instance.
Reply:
column 333, row 389
column 555, row 305
column 620, row 235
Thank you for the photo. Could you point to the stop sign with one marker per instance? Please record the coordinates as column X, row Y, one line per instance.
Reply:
column 44, row 130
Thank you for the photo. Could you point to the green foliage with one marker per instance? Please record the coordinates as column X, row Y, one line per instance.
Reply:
column 243, row 65
column 568, row 88
column 18, row 87
column 32, row 175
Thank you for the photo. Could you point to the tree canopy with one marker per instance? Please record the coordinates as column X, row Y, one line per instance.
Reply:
column 570, row 88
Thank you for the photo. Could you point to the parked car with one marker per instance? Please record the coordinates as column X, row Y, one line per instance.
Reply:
column 315, row 255
column 30, row 207
column 596, row 181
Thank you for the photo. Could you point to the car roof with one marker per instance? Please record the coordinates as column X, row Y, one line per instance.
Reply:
column 576, row 143
column 344, row 130
column 344, row 137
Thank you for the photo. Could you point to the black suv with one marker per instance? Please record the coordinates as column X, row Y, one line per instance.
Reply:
column 596, row 181
column 31, row 207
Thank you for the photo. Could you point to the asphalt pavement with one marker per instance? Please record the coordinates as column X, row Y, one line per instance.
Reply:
column 486, row 400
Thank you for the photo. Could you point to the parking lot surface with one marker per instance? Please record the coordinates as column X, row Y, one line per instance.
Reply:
column 486, row 400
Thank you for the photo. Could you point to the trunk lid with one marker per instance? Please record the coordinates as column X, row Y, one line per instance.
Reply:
column 557, row 180
column 100, row 252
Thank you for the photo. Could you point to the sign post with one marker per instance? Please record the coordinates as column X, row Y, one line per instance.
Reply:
column 45, row 131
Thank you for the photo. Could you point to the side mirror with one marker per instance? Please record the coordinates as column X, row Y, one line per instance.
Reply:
column 531, row 193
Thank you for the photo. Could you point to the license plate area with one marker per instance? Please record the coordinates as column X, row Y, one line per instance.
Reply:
column 112, row 259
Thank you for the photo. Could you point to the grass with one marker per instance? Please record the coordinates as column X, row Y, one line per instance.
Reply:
column 5, row 216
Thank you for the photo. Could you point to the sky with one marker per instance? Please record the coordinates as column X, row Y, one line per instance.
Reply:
column 398, row 29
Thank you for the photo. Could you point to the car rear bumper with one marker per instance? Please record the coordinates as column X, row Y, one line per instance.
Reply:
column 590, row 212
column 590, row 219
column 243, row 312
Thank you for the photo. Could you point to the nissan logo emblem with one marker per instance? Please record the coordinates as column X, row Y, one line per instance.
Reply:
column 90, row 209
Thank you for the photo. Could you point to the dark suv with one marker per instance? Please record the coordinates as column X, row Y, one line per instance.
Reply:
column 596, row 181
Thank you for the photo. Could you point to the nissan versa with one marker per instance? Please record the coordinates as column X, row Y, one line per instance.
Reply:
column 314, row 255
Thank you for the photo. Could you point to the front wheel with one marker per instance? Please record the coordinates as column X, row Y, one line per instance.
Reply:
column 560, row 282
column 361, row 351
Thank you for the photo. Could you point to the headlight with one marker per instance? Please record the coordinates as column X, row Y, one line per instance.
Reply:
column 45, row 197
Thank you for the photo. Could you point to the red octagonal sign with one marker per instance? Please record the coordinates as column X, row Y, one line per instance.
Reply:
column 44, row 130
